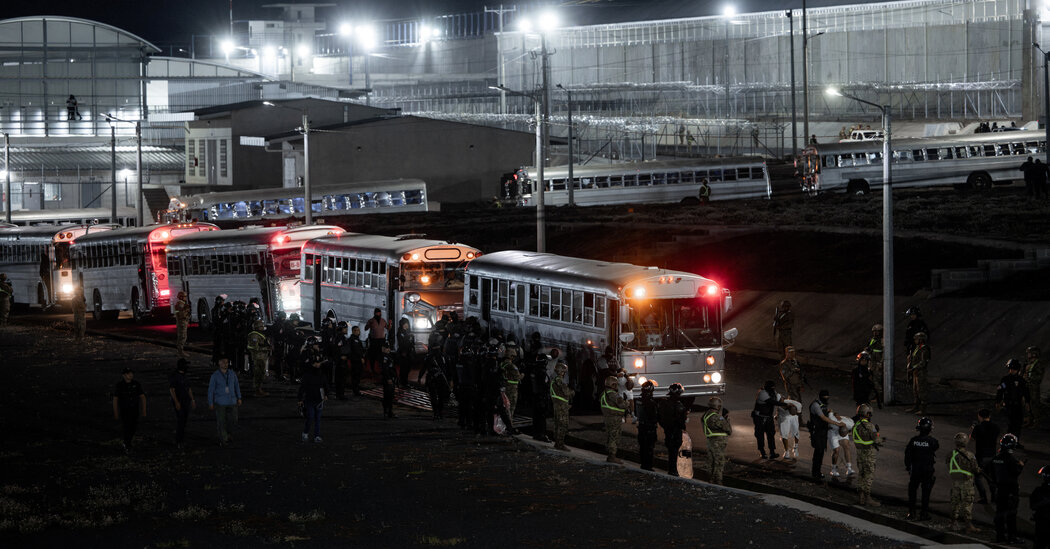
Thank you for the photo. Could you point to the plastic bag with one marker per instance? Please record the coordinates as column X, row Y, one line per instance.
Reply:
column 497, row 425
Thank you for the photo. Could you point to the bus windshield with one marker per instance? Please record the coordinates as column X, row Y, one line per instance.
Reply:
column 674, row 324
column 436, row 275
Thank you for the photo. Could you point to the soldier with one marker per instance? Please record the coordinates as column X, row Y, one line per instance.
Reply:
column 962, row 468
column 866, row 438
column 341, row 349
column 406, row 350
column 182, row 323
column 79, row 315
column 861, row 378
column 920, row 461
column 874, row 348
column 129, row 401
column 1012, row 397
column 918, row 361
column 6, row 291
column 561, row 397
column 717, row 429
column 388, row 375
column 613, row 407
column 783, row 323
column 277, row 332
column 673, row 415
column 539, row 382
column 1033, row 376
column 916, row 325
column 648, row 419
column 357, row 360
column 791, row 373
column 1006, row 469
column 464, row 387
column 492, row 393
column 511, row 377
column 259, row 349
column 218, row 317
column 1039, row 503
column 820, row 424
column 437, row 381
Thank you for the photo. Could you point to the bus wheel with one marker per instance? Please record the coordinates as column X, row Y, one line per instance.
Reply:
column 136, row 312
column 690, row 201
column 979, row 180
column 857, row 187
column 203, row 320
column 96, row 311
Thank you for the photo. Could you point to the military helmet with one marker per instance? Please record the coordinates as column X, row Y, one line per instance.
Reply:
column 181, row 295
column 611, row 383
column 281, row 315
column 913, row 311
column 785, row 304
column 492, row 351
column 675, row 390
column 295, row 317
column 714, row 402
column 312, row 340
column 466, row 351
column 876, row 328
column 921, row 336
column 864, row 410
column 1044, row 472
column 1014, row 364
column 961, row 439
column 257, row 325
column 648, row 388
column 561, row 369
column 3, row 276
column 1008, row 442
column 925, row 424
column 1033, row 350
column 864, row 355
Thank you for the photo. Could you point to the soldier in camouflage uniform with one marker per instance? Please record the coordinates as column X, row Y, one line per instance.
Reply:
column 1033, row 375
column 182, row 323
column 561, row 396
column 866, row 438
column 259, row 349
column 962, row 468
column 783, row 324
column 918, row 361
column 613, row 407
column 717, row 430
column 6, row 293
column 511, row 377
column 874, row 348
column 79, row 315
column 791, row 373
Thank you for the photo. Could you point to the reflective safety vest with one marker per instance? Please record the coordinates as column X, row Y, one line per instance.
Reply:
column 953, row 466
column 561, row 398
column 606, row 405
column 856, row 435
column 707, row 430
column 253, row 344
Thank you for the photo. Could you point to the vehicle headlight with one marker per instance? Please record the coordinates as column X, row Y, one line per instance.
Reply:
column 422, row 323
column 716, row 377
column 639, row 363
column 707, row 378
column 67, row 288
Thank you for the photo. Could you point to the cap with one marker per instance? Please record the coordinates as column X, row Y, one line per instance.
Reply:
column 126, row 370
column 824, row 393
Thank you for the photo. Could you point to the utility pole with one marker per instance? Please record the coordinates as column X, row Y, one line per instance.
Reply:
column 499, row 46
column 572, row 181
column 805, row 76
column 545, row 112
column 7, row 175
column 113, row 170
column 794, row 111
column 309, row 199
column 138, row 169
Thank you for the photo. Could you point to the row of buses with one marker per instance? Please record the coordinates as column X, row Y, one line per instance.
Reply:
column 666, row 325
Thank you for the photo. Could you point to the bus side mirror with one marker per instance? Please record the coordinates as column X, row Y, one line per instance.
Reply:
column 728, row 302
column 730, row 335
column 626, row 337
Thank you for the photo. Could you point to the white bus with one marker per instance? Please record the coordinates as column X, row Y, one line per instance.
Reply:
column 36, row 260
column 406, row 277
column 666, row 325
column 970, row 161
column 75, row 216
column 127, row 268
column 397, row 195
column 651, row 182
column 260, row 262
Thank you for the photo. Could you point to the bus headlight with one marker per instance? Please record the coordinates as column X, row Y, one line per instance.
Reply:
column 639, row 363
column 422, row 323
column 713, row 377
column 67, row 288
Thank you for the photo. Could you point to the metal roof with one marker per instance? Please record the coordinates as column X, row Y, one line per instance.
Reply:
column 388, row 248
column 96, row 157
column 246, row 236
column 388, row 185
column 36, row 232
column 138, row 233
column 927, row 142
column 134, row 40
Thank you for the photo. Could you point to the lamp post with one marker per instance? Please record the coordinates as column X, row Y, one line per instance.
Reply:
column 346, row 30
column 794, row 111
column 537, row 99
column 1046, row 97
column 888, row 314
column 7, row 175
column 572, row 181
column 729, row 12
column 141, row 216
column 308, row 203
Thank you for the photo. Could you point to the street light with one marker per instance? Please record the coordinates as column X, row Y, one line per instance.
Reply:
column 541, row 150
column 572, row 182
column 367, row 39
column 308, row 202
column 141, row 216
column 888, row 314
column 227, row 48
column 346, row 30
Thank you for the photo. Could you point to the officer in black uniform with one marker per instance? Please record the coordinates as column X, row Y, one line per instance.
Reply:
column 492, row 393
column 648, row 418
column 766, row 401
column 437, row 382
column 1012, row 397
column 1039, row 502
column 340, row 357
column 217, row 318
column 539, row 382
column 1006, row 469
column 919, row 460
column 464, row 388
column 672, row 418
column 276, row 333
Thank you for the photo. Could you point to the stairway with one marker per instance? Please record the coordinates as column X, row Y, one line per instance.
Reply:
column 156, row 200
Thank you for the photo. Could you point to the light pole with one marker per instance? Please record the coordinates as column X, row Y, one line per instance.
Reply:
column 794, row 111
column 888, row 314
column 308, row 202
column 1046, row 97
column 7, row 175
column 366, row 35
column 537, row 99
column 572, row 181
column 141, row 216
column 729, row 12
column 346, row 30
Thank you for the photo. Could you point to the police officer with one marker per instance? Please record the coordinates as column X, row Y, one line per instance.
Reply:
column 259, row 350
column 915, row 325
column 1039, row 502
column 357, row 360
column 783, row 324
column 561, row 397
column 766, row 401
column 791, row 373
column 819, row 424
column 919, row 460
column 648, row 418
column 866, row 438
column 962, row 469
column 1012, row 396
column 1006, row 469
column 918, row 362
column 80, row 318
column 1033, row 376
column 717, row 429
column 437, row 381
column 673, row 415
column 342, row 348
column 861, row 378
column 874, row 348
column 492, row 393
column 539, row 383
column 406, row 349
column 388, row 378
column 613, row 407
column 277, row 333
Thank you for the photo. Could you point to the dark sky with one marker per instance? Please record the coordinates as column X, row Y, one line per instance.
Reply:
column 164, row 22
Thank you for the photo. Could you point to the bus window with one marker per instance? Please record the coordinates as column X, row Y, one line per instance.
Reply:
column 545, row 301
column 989, row 150
column 729, row 174
column 1002, row 149
column 902, row 156
column 616, row 181
column 501, row 295
column 1031, row 147
column 534, row 300
column 473, row 293
column 1018, row 148
column 932, row 154
column 659, row 178
column 875, row 158
column 691, row 176
column 566, row 305
column 673, row 178
column 644, row 179
column 716, row 175
column 577, row 307
column 918, row 155
column 555, row 304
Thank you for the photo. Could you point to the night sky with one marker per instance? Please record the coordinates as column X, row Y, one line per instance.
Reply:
column 166, row 22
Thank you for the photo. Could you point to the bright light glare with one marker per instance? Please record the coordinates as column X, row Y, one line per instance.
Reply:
column 366, row 36
column 716, row 377
column 125, row 173
column 422, row 323
column 425, row 279
column 639, row 362
column 3, row 174
column 729, row 10
column 269, row 52
column 833, row 91
column 67, row 288
column 424, row 33
column 346, row 29
column 302, row 50
column 227, row 47
column 548, row 20
column 639, row 292
column 525, row 24
column 435, row 32
column 712, row 290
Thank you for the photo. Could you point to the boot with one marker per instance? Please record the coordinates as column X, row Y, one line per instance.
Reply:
column 613, row 459
column 863, row 499
column 971, row 529
column 872, row 502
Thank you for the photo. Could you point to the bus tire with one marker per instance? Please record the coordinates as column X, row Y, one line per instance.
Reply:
column 110, row 315
column 96, row 309
column 857, row 187
column 136, row 311
column 690, row 201
column 203, row 320
column 979, row 180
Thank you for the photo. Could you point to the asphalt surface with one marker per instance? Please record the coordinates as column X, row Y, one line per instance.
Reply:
column 411, row 481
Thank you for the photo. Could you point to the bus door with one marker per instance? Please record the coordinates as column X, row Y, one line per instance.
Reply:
column 486, row 298
column 394, row 304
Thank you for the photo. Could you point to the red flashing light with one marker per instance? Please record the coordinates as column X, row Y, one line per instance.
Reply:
column 165, row 293
column 471, row 255
column 712, row 290
column 281, row 239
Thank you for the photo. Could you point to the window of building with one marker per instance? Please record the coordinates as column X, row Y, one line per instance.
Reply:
column 222, row 156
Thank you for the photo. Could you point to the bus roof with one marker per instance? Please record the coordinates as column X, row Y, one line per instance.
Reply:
column 35, row 232
column 140, row 233
column 647, row 166
column 925, row 142
column 389, row 248
column 70, row 214
column 198, row 200
column 247, row 236
column 569, row 271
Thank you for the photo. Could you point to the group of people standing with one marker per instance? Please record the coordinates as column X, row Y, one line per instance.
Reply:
column 1035, row 177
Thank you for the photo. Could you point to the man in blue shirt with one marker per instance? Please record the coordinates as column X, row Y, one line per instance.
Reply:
column 224, row 396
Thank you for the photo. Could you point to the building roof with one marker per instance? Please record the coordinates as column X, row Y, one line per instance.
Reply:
column 96, row 157
column 255, row 103
column 20, row 32
column 297, row 136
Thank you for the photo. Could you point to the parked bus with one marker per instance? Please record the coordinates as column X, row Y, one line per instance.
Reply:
column 651, row 182
column 666, row 326
column 972, row 161
column 407, row 277
column 397, row 195
column 259, row 262
column 127, row 269
column 36, row 260
column 126, row 217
